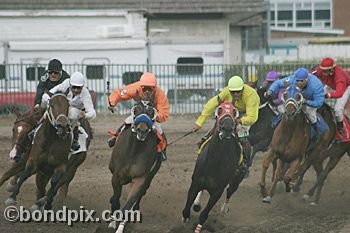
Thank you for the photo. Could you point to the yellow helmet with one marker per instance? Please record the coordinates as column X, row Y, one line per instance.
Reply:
column 235, row 83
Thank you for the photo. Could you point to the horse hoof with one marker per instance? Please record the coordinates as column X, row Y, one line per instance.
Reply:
column 313, row 203
column 42, row 201
column 112, row 225
column 34, row 208
column 296, row 189
column 224, row 208
column 197, row 208
column 10, row 201
column 10, row 187
column 185, row 220
column 306, row 197
column 267, row 199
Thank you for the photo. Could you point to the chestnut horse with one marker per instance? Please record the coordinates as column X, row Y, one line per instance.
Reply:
column 290, row 143
column 49, row 153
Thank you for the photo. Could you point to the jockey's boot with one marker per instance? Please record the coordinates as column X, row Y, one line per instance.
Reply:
column 75, row 144
column 247, row 150
column 162, row 155
column 204, row 138
column 340, row 129
column 113, row 139
column 317, row 132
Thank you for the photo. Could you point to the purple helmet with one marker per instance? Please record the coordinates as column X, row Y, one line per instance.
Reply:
column 272, row 76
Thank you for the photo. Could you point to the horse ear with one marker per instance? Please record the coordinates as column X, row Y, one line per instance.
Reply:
column 15, row 111
column 219, row 100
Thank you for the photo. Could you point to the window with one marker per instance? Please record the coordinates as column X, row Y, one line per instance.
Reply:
column 2, row 72
column 95, row 72
column 189, row 65
column 131, row 77
column 304, row 15
column 285, row 15
column 301, row 13
column 323, row 14
column 34, row 73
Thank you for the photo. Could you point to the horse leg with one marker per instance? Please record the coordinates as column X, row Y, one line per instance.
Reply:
column 232, row 187
column 275, row 179
column 73, row 163
column 289, row 178
column 214, row 197
column 265, row 166
column 15, row 169
column 333, row 161
column 57, row 180
column 29, row 170
column 148, row 182
column 191, row 196
column 41, row 181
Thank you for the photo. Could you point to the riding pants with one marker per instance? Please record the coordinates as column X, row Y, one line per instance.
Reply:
column 340, row 103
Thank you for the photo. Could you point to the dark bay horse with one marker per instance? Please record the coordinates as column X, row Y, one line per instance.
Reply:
column 134, row 159
column 260, row 133
column 217, row 164
column 289, row 142
column 49, row 152
column 334, row 153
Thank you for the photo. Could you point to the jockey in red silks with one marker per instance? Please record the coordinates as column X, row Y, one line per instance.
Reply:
column 337, row 86
column 146, row 87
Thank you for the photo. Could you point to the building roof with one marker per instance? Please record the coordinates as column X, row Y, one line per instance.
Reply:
column 150, row 6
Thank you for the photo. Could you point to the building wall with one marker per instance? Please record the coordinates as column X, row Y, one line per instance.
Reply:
column 341, row 15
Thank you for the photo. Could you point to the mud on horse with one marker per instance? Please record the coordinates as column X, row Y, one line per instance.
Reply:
column 49, row 153
column 289, row 143
column 217, row 165
column 134, row 159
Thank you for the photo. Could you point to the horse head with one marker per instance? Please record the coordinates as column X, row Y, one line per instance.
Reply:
column 226, row 113
column 293, row 101
column 144, row 115
column 57, row 114
column 23, row 124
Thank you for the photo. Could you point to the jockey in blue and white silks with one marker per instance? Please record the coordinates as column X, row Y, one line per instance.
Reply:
column 310, row 87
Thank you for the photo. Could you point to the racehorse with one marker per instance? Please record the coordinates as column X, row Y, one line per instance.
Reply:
column 217, row 165
column 21, row 144
column 289, row 142
column 49, row 153
column 335, row 153
column 260, row 133
column 134, row 158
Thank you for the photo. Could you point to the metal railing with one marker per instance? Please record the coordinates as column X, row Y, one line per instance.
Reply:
column 187, row 86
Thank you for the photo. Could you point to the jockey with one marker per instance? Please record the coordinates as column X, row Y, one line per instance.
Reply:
column 80, row 103
column 246, row 100
column 271, row 77
column 337, row 86
column 53, row 76
column 311, row 88
column 146, row 87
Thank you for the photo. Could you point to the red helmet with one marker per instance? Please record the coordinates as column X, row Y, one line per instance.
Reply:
column 327, row 63
column 148, row 79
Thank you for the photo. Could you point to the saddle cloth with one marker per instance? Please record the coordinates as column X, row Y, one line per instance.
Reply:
column 346, row 129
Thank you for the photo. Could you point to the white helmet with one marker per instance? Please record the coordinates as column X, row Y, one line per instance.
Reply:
column 77, row 79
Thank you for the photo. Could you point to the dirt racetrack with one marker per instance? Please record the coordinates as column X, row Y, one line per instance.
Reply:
column 161, row 207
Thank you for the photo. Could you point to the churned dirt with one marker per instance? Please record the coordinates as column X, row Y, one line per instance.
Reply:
column 162, row 206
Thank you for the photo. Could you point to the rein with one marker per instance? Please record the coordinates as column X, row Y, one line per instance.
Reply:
column 51, row 117
column 273, row 109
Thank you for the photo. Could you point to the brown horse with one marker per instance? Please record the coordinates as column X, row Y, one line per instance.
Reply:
column 334, row 153
column 21, row 144
column 217, row 165
column 134, row 159
column 289, row 143
column 49, row 153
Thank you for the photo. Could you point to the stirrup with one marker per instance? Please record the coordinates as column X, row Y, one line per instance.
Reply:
column 112, row 141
